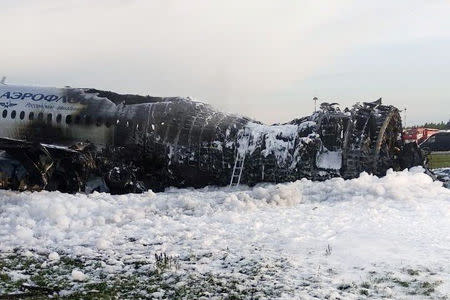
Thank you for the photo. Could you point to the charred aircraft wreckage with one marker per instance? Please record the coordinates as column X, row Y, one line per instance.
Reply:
column 82, row 140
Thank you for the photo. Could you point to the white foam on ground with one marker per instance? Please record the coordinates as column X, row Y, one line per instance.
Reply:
column 329, row 233
column 78, row 275
column 53, row 256
column 329, row 160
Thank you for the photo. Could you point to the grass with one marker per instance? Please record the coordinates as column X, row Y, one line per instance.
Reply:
column 34, row 277
column 38, row 280
column 439, row 160
column 407, row 281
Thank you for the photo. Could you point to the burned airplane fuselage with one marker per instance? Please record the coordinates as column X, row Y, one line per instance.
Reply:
column 85, row 139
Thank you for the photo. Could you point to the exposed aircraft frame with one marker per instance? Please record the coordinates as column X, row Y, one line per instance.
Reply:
column 104, row 141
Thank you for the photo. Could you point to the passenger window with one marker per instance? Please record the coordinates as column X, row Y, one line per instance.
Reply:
column 108, row 123
column 99, row 121
column 13, row 114
column 77, row 119
column 22, row 115
column 68, row 119
column 49, row 118
column 5, row 113
column 58, row 118
column 40, row 116
column 88, row 120
column 31, row 116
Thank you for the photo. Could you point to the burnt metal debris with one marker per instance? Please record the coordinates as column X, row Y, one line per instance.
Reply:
column 160, row 142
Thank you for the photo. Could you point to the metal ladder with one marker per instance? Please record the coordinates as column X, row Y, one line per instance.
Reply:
column 239, row 162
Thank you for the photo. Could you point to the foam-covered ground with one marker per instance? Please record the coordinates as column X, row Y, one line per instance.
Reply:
column 444, row 175
column 374, row 237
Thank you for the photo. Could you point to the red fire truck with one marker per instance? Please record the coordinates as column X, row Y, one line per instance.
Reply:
column 418, row 135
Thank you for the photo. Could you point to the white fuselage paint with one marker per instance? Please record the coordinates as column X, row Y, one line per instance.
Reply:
column 18, row 102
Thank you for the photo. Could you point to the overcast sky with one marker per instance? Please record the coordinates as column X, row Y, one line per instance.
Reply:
column 264, row 59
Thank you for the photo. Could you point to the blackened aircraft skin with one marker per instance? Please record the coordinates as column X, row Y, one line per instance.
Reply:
column 64, row 117
column 73, row 140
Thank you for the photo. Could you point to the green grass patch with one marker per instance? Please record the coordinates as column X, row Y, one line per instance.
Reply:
column 35, row 277
column 402, row 283
column 439, row 160
column 412, row 272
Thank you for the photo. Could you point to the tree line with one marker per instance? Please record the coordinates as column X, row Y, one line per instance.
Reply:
column 440, row 125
